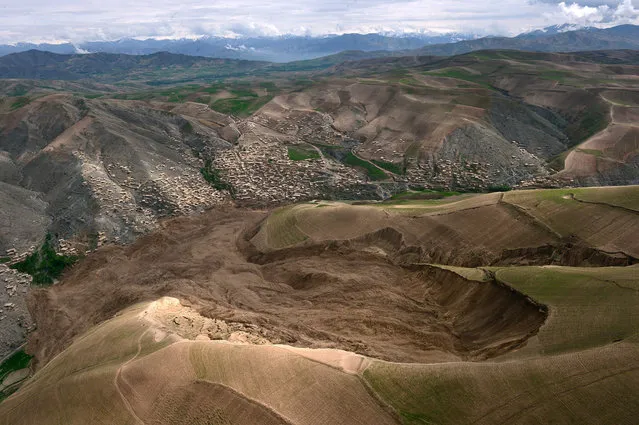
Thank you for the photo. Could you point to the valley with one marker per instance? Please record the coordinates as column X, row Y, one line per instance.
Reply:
column 360, row 319
column 344, row 240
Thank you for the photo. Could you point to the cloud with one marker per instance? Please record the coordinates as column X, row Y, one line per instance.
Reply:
column 622, row 13
column 585, row 15
column 240, row 48
column 591, row 3
column 77, row 21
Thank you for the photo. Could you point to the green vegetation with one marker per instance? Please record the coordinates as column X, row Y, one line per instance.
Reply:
column 45, row 265
column 177, row 94
column 212, row 175
column 374, row 173
column 270, row 86
column 20, row 102
column 593, row 152
column 346, row 157
column 410, row 81
column 625, row 197
column 601, row 292
column 558, row 162
column 299, row 154
column 213, row 89
column 590, row 121
column 499, row 188
column 429, row 388
column 417, row 194
column 243, row 92
column 390, row 166
column 4, row 260
column 177, row 97
column 203, row 99
column 187, row 127
column 282, row 230
column 555, row 75
column 240, row 107
column 18, row 90
column 461, row 74
column 592, row 311
column 17, row 361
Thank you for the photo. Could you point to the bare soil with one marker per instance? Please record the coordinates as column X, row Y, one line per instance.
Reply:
column 345, row 298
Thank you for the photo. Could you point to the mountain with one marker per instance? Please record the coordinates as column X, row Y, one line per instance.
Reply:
column 587, row 39
column 35, row 64
column 553, row 29
column 338, row 314
column 64, row 48
column 557, row 38
column 339, row 241
column 371, row 128
column 274, row 49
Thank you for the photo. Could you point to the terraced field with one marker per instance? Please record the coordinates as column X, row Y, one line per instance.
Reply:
column 476, row 227
column 587, row 350
column 138, row 368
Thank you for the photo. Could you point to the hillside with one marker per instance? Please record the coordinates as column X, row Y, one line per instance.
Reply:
column 533, row 226
column 264, row 305
column 615, row 38
column 364, row 129
column 95, row 161
column 35, row 64
column 483, row 119
column 563, row 38
column 105, row 168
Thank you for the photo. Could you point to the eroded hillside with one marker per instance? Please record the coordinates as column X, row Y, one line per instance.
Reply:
column 291, row 275
column 264, row 306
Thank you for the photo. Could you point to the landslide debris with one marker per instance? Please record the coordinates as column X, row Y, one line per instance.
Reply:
column 348, row 299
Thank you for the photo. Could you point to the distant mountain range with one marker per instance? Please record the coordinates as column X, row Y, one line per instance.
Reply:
column 552, row 30
column 553, row 40
column 559, row 38
column 272, row 49
column 36, row 64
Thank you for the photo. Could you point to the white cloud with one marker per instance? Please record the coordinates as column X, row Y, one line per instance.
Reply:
column 626, row 13
column 585, row 15
column 77, row 21
column 621, row 13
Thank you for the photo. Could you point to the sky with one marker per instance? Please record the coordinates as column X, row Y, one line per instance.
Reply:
column 91, row 20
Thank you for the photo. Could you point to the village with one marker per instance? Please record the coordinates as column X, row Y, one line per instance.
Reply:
column 262, row 174
column 133, row 205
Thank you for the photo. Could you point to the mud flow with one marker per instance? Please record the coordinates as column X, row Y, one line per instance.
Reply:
column 352, row 299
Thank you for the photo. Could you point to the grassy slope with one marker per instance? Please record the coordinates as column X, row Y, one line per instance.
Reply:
column 14, row 363
column 280, row 230
column 289, row 226
column 583, row 367
column 79, row 386
column 608, row 227
column 81, row 380
column 606, row 220
column 626, row 197
column 301, row 154
column 575, row 371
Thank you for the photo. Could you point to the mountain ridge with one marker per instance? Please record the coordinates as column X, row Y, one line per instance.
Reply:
column 558, row 38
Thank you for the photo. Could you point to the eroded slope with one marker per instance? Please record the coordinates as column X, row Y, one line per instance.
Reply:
column 393, row 312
